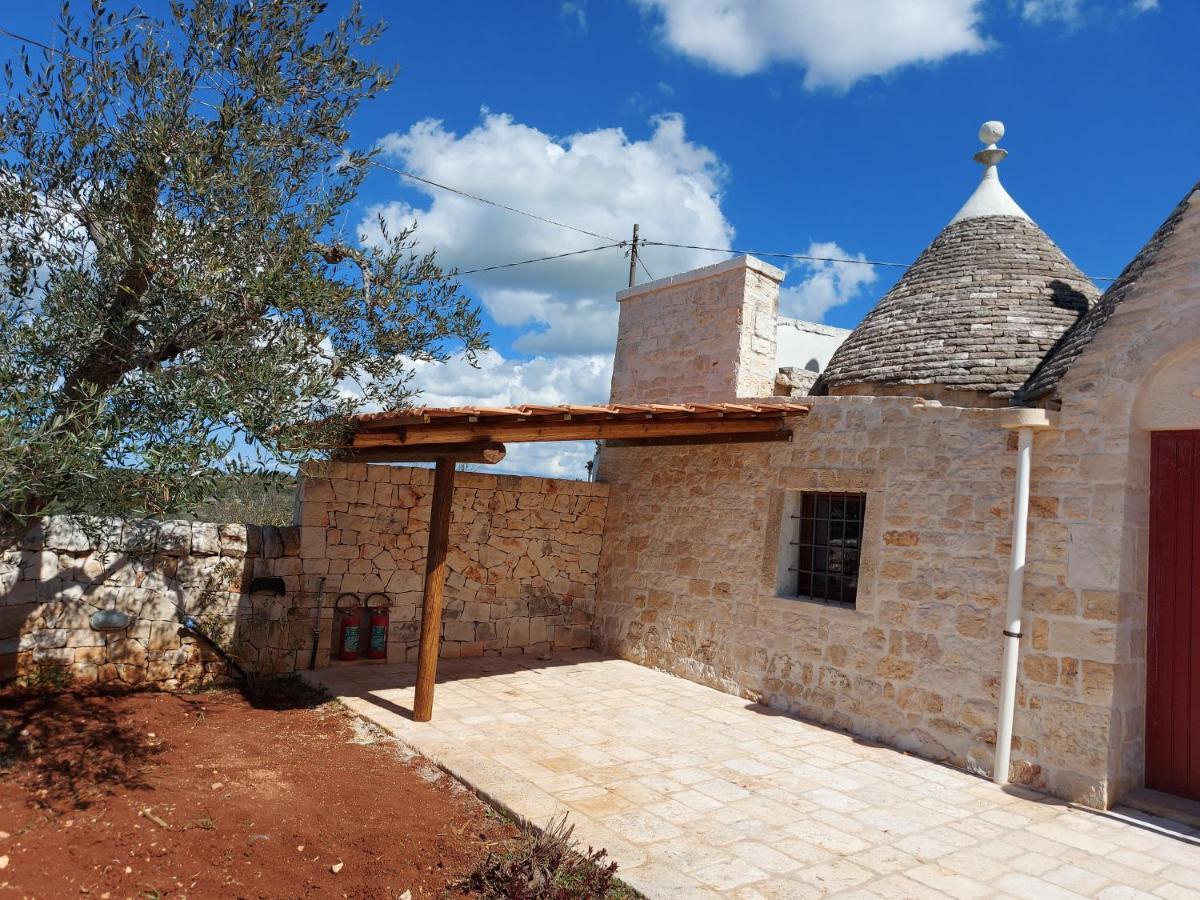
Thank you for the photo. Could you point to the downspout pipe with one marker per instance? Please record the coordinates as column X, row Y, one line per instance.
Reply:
column 1025, row 422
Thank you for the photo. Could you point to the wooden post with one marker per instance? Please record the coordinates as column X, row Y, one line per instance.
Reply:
column 633, row 257
column 435, row 581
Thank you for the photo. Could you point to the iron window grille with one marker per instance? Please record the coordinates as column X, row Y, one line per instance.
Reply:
column 829, row 545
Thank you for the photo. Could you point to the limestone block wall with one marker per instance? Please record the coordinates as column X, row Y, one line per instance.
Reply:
column 688, row 583
column 1137, row 375
column 155, row 572
column 522, row 573
column 523, row 555
column 705, row 335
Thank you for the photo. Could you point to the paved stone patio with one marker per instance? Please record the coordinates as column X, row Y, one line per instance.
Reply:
column 700, row 794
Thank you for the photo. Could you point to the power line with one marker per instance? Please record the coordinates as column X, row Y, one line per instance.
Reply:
column 49, row 49
column 801, row 256
column 833, row 259
column 29, row 40
column 525, row 262
column 498, row 205
column 647, row 243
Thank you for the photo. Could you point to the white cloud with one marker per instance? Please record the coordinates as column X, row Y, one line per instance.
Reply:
column 575, row 12
column 825, row 284
column 838, row 42
column 599, row 180
column 505, row 382
column 1041, row 11
column 564, row 311
column 1078, row 12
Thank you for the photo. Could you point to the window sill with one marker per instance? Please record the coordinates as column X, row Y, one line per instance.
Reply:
column 816, row 601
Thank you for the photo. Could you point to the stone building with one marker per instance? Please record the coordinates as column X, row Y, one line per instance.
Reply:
column 868, row 574
column 980, row 543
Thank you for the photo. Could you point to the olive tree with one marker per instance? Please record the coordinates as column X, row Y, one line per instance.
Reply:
column 178, row 289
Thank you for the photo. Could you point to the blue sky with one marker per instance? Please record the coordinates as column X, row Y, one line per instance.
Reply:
column 833, row 127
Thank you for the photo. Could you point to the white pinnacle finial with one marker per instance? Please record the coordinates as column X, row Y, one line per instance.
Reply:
column 991, row 133
column 990, row 198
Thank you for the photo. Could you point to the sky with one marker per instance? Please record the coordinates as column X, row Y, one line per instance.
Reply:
column 840, row 128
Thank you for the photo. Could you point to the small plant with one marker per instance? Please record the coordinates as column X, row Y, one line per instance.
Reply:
column 46, row 676
column 210, row 603
column 547, row 865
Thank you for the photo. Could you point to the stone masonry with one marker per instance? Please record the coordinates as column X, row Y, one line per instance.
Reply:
column 974, row 315
column 522, row 573
column 689, row 584
column 522, row 560
column 704, row 335
column 154, row 572
column 690, row 571
column 1136, row 373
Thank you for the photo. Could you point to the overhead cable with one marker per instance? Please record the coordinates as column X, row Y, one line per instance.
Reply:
column 831, row 259
column 498, row 205
column 647, row 243
column 35, row 43
column 525, row 262
column 806, row 258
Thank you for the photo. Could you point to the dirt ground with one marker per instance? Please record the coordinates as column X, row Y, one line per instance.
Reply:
column 204, row 795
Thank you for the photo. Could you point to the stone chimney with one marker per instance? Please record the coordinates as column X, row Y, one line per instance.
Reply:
column 704, row 336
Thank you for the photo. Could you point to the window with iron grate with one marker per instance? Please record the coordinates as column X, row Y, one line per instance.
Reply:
column 828, row 546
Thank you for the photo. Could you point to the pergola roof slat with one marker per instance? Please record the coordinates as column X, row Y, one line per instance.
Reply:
column 408, row 430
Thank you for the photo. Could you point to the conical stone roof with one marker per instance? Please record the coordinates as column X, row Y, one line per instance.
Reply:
column 1045, row 380
column 977, row 312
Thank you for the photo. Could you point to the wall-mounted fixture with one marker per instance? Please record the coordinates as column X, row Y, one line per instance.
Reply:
column 110, row 620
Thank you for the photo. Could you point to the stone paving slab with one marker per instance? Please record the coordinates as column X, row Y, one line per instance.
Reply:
column 696, row 793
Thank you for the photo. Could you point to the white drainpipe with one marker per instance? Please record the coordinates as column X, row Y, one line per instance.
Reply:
column 1025, row 422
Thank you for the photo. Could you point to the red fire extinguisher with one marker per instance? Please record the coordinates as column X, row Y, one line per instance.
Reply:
column 349, row 629
column 377, row 639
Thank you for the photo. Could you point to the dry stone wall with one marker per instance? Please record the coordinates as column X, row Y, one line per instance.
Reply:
column 155, row 573
column 689, row 584
column 521, row 567
column 522, row 575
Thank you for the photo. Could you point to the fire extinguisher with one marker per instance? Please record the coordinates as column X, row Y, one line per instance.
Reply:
column 378, row 634
column 349, row 628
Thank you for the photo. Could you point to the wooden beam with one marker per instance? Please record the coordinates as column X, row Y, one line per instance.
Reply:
column 703, row 439
column 435, row 582
column 489, row 452
column 565, row 431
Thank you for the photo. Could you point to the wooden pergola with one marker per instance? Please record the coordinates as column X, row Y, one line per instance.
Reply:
column 449, row 436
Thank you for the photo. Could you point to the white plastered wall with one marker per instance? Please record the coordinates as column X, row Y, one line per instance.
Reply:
column 807, row 345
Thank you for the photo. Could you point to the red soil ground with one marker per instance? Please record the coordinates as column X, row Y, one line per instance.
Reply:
column 204, row 795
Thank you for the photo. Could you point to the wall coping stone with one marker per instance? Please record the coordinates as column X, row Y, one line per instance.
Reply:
column 703, row 273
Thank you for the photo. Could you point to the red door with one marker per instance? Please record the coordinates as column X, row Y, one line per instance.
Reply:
column 1173, row 629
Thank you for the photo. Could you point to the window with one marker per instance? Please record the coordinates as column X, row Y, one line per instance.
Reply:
column 828, row 543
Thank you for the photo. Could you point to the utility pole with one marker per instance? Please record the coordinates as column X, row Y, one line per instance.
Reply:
column 633, row 256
